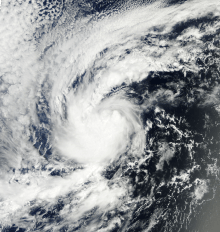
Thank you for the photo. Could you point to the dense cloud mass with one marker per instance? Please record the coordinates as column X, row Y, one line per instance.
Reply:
column 109, row 116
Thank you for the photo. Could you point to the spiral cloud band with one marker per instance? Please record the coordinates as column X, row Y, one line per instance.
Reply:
column 109, row 115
